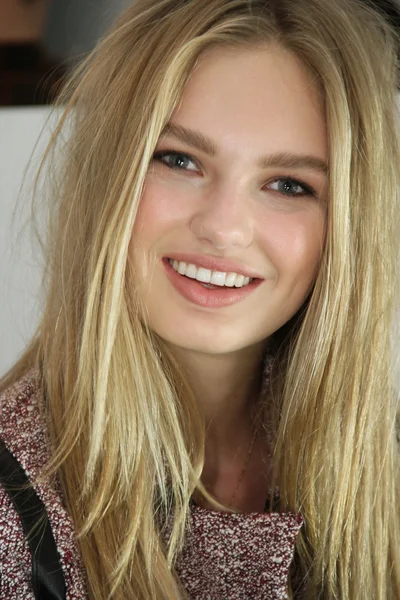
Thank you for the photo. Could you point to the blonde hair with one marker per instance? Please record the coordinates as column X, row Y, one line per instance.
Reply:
column 127, row 435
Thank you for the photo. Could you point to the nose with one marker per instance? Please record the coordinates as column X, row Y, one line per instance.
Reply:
column 224, row 219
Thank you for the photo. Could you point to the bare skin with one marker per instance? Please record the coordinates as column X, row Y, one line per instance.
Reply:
column 228, row 392
column 239, row 175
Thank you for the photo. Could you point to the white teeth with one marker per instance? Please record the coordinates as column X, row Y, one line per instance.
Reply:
column 230, row 279
column 218, row 278
column 191, row 271
column 239, row 280
column 203, row 275
column 182, row 268
column 207, row 276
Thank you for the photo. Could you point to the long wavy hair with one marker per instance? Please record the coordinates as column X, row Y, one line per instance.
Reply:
column 126, row 431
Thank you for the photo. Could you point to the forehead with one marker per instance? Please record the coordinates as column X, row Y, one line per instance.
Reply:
column 256, row 97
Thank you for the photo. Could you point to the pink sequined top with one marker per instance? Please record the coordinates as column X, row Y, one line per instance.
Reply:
column 226, row 556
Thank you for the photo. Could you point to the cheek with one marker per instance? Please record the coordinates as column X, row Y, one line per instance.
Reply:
column 150, row 225
column 158, row 222
column 294, row 242
column 162, row 209
column 152, row 213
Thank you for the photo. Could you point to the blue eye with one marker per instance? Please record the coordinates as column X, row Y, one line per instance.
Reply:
column 175, row 160
column 291, row 187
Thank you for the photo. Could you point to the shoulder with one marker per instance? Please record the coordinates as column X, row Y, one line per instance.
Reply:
column 15, row 558
column 21, row 427
column 23, row 431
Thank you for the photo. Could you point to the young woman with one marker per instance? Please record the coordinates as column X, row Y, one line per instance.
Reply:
column 207, row 409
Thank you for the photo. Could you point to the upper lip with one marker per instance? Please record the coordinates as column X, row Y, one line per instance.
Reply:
column 214, row 263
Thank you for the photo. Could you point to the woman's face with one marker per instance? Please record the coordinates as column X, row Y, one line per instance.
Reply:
column 237, row 185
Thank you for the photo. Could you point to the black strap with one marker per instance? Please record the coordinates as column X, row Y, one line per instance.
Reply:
column 47, row 577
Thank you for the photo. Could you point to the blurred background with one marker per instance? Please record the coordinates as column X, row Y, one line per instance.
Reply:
column 41, row 39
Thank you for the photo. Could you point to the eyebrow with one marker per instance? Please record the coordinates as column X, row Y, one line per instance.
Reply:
column 286, row 160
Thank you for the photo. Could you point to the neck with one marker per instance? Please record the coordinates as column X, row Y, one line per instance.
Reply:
column 227, row 388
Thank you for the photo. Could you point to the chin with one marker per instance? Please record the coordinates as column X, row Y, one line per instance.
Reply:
column 212, row 344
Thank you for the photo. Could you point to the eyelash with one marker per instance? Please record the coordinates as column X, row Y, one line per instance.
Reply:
column 159, row 156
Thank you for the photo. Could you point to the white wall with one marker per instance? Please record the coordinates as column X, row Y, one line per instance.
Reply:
column 19, row 266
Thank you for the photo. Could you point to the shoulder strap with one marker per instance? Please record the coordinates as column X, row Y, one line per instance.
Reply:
column 47, row 577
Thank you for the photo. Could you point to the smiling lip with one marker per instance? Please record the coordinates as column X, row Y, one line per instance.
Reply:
column 212, row 263
column 195, row 292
